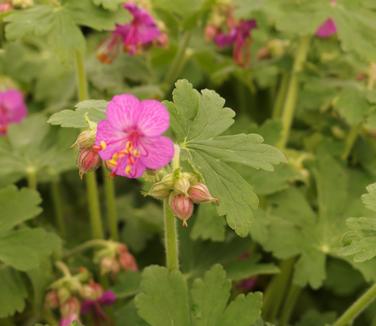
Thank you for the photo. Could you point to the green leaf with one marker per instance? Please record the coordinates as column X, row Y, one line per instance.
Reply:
column 54, row 23
column 360, row 240
column 13, row 292
column 291, row 17
column 25, row 248
column 93, row 109
column 163, row 298
column 242, row 269
column 352, row 105
column 210, row 296
column 208, row 225
column 198, row 120
column 109, row 4
column 17, row 206
column 294, row 229
column 88, row 13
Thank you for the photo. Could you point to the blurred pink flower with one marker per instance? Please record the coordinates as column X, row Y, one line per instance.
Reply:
column 131, row 137
column 238, row 36
column 134, row 36
column 327, row 29
column 12, row 108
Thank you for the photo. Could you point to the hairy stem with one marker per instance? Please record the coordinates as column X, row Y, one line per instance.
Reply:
column 58, row 206
column 357, row 307
column 91, row 181
column 292, row 90
column 109, row 191
column 171, row 239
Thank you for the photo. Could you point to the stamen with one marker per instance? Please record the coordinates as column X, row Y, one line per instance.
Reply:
column 128, row 169
column 136, row 153
column 103, row 145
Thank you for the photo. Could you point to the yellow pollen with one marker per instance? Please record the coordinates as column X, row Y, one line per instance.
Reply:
column 112, row 162
column 128, row 147
column 136, row 153
column 128, row 169
column 103, row 145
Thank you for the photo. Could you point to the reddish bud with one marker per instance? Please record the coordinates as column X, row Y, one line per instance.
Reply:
column 70, row 307
column 163, row 40
column 109, row 265
column 88, row 160
column 109, row 49
column 128, row 262
column 199, row 193
column 5, row 7
column 210, row 32
column 182, row 207
column 52, row 299
column 91, row 291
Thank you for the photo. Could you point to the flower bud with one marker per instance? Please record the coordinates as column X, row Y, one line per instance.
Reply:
column 52, row 299
column 182, row 184
column 109, row 265
column 88, row 160
column 85, row 139
column 127, row 261
column 5, row 7
column 182, row 207
column 70, row 307
column 91, row 291
column 63, row 294
column 199, row 193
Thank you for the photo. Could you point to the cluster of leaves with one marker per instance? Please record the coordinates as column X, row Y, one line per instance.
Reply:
column 296, row 205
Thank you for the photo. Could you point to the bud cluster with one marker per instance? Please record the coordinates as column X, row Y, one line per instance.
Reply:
column 183, row 190
column 115, row 257
column 70, row 293
column 88, row 158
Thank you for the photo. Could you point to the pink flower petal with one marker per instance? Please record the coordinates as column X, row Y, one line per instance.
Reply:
column 156, row 152
column 154, row 118
column 113, row 138
column 123, row 111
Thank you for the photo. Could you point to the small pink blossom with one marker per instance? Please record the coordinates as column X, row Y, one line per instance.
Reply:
column 327, row 29
column 131, row 138
column 142, row 31
column 12, row 109
column 238, row 35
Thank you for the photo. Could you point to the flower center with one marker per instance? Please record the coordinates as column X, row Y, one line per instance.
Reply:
column 130, row 153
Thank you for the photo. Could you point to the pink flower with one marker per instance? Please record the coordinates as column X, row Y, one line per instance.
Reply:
column 131, row 137
column 238, row 36
column 327, row 29
column 140, row 32
column 12, row 109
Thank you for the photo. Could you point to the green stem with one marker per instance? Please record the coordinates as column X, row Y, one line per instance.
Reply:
column 292, row 90
column 31, row 175
column 112, row 217
column 276, row 290
column 88, row 245
column 289, row 305
column 357, row 307
column 91, row 182
column 94, row 209
column 178, row 62
column 278, row 104
column 350, row 141
column 171, row 240
column 58, row 206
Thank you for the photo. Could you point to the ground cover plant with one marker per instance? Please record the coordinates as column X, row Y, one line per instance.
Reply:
column 188, row 163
